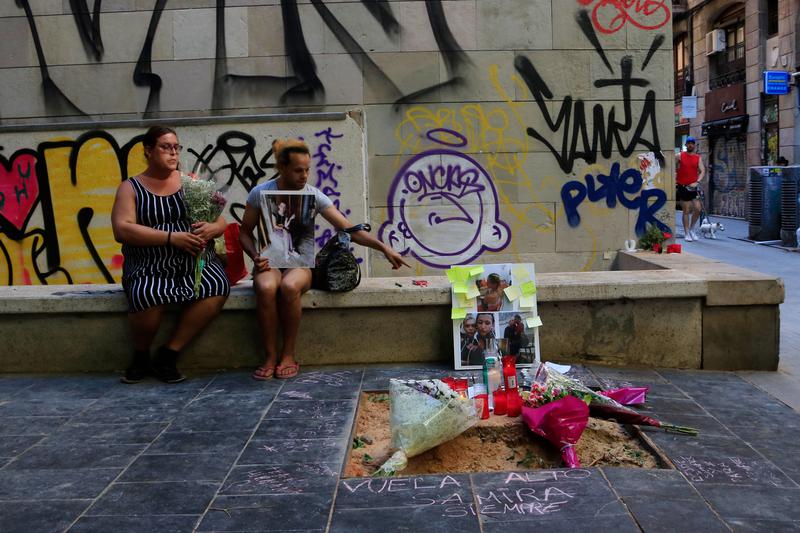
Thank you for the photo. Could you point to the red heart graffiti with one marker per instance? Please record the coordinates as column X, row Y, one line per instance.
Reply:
column 19, row 188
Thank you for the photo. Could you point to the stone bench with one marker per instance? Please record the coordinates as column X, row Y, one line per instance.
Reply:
column 677, row 311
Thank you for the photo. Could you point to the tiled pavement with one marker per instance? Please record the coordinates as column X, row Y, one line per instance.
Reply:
column 226, row 453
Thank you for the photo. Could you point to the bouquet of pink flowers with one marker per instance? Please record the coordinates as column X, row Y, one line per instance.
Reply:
column 204, row 203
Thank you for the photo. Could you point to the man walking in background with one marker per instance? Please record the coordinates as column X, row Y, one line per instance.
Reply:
column 690, row 172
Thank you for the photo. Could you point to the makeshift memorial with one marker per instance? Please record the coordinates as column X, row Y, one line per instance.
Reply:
column 600, row 406
column 561, row 422
column 500, row 401
column 653, row 238
column 204, row 203
column 423, row 415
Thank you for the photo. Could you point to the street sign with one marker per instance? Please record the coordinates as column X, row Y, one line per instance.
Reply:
column 776, row 82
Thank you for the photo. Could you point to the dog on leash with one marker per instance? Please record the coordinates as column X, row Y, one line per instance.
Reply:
column 710, row 229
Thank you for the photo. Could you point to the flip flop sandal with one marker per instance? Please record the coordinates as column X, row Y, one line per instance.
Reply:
column 287, row 371
column 264, row 373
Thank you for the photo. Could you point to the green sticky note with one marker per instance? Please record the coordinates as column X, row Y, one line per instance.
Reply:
column 527, row 301
column 462, row 273
column 475, row 271
column 472, row 290
column 512, row 292
column 533, row 321
column 458, row 313
column 528, row 288
column 520, row 273
column 460, row 287
column 463, row 300
column 452, row 275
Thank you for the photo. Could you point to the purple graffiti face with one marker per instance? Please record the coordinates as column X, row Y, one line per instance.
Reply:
column 443, row 210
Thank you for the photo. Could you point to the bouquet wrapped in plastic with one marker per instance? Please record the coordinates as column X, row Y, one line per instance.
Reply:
column 423, row 415
column 599, row 406
column 204, row 203
column 561, row 422
column 627, row 395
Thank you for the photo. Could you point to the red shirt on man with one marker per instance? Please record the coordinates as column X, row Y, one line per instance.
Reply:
column 688, row 170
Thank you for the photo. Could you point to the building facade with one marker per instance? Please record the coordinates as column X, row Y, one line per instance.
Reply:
column 721, row 50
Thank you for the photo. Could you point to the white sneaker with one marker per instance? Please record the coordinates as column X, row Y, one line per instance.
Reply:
column 688, row 236
column 694, row 235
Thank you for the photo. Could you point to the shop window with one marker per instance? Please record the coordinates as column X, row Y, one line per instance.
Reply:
column 770, row 130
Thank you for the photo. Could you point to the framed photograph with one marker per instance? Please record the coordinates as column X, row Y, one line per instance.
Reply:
column 501, row 313
column 286, row 228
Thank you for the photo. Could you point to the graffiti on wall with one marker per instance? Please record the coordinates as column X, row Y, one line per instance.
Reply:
column 610, row 16
column 56, row 200
column 304, row 85
column 443, row 206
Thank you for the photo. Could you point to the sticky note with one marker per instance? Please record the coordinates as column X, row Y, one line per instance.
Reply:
column 512, row 292
column 527, row 302
column 533, row 321
column 475, row 271
column 460, row 287
column 462, row 273
column 462, row 300
column 472, row 290
column 520, row 273
column 528, row 288
column 452, row 275
column 458, row 313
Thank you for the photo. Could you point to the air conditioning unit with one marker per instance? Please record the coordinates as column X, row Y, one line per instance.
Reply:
column 790, row 205
column 715, row 42
column 763, row 203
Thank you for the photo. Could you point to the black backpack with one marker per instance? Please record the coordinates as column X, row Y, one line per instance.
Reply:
column 335, row 267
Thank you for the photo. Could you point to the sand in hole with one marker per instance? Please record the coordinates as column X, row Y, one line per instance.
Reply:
column 497, row 444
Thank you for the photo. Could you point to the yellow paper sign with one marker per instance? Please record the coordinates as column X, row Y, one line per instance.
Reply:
column 512, row 291
column 458, row 313
column 527, row 302
column 520, row 273
column 460, row 287
column 472, row 291
column 528, row 288
column 533, row 321
column 475, row 271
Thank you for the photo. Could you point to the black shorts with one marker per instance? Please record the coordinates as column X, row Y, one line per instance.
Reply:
column 684, row 194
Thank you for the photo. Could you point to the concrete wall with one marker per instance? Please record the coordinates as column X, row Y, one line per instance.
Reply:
column 494, row 130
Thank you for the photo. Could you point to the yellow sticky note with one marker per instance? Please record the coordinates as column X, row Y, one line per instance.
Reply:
column 452, row 275
column 475, row 271
column 527, row 301
column 512, row 291
column 458, row 313
column 472, row 290
column 528, row 288
column 463, row 300
column 520, row 273
column 460, row 287
column 533, row 321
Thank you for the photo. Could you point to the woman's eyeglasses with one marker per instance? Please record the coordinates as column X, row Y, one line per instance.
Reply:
column 170, row 147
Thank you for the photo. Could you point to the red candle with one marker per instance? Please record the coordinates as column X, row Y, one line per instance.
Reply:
column 499, row 397
column 513, row 403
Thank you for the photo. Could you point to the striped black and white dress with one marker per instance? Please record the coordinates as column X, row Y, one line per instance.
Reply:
column 158, row 275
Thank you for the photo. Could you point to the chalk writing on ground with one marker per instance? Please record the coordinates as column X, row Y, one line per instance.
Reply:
column 733, row 470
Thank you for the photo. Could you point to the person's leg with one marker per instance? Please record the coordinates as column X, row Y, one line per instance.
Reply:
column 295, row 282
column 687, row 209
column 696, row 209
column 265, row 285
column 194, row 317
column 143, row 326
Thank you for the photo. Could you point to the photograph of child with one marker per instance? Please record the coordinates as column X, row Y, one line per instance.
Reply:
column 495, row 279
column 287, row 227
column 476, row 332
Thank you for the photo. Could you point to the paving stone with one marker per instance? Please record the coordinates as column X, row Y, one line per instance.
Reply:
column 707, row 425
column 177, row 467
column 46, row 484
column 666, row 406
column 30, row 425
column 76, row 387
column 618, row 524
column 437, row 491
column 757, row 526
column 135, row 524
column 649, row 482
column 309, row 428
column 36, row 516
column 664, row 390
column 419, row 519
column 130, row 411
column 702, row 445
column 312, row 409
column 145, row 499
column 237, row 383
column 753, row 503
column 340, row 385
column 15, row 445
column 212, row 442
column 626, row 377
column 657, row 514
column 229, row 420
column 77, row 455
column 268, row 512
column 87, row 433
column 209, row 402
column 691, row 377
column 299, row 478
column 275, row 452
column 13, row 385
column 769, row 437
column 44, row 407
column 378, row 379
column 774, row 417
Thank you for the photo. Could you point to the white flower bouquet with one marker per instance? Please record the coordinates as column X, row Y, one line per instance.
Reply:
column 204, row 203
column 423, row 415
